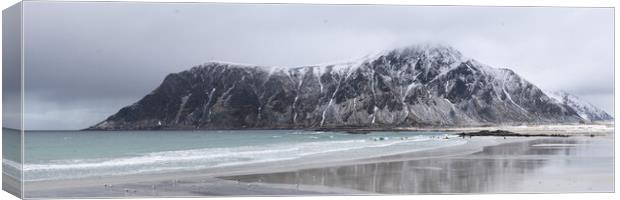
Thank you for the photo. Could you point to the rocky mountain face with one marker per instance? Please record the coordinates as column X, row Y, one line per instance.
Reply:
column 424, row 85
column 585, row 110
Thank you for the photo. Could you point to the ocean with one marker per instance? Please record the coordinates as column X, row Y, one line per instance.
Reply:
column 56, row 155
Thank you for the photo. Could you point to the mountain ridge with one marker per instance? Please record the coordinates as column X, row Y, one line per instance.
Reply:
column 417, row 85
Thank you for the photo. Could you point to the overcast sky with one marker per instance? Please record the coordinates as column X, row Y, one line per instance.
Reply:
column 85, row 61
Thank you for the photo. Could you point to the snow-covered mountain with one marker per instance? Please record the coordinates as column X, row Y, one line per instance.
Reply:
column 585, row 110
column 419, row 85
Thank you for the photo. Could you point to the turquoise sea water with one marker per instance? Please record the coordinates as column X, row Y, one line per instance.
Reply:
column 11, row 144
column 51, row 155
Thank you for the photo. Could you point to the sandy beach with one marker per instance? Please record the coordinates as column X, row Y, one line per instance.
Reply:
column 482, row 165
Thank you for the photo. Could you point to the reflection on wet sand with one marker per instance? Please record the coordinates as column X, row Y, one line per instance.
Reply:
column 501, row 168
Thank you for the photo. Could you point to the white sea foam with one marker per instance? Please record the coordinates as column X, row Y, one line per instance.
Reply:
column 11, row 168
column 11, row 163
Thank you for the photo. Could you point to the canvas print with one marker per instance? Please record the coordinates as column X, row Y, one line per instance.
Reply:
column 130, row 99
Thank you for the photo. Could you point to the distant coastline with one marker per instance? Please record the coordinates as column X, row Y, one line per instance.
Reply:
column 362, row 129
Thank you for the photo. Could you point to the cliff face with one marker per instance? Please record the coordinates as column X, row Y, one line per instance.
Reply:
column 414, row 86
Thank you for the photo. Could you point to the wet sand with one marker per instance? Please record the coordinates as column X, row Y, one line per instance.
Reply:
column 11, row 185
column 484, row 165
column 549, row 165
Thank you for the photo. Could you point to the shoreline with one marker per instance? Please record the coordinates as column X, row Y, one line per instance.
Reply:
column 216, row 177
column 473, row 145
column 259, row 181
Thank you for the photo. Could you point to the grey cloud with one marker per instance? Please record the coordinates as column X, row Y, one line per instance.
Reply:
column 90, row 59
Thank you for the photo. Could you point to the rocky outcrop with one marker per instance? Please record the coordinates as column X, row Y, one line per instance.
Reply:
column 503, row 133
